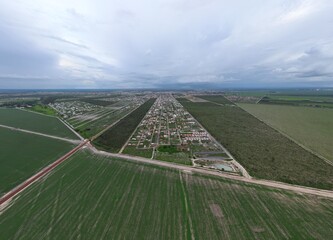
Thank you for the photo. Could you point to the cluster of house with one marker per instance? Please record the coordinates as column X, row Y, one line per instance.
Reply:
column 73, row 108
column 168, row 123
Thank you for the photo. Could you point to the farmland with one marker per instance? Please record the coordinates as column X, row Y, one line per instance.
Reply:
column 23, row 154
column 35, row 122
column 101, row 120
column 216, row 99
column 94, row 197
column 88, row 116
column 264, row 152
column 115, row 137
column 299, row 100
column 312, row 127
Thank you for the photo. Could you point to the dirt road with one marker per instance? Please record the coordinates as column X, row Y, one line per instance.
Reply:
column 39, row 175
column 40, row 134
column 189, row 169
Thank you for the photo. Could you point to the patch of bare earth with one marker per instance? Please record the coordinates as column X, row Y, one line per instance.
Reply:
column 216, row 210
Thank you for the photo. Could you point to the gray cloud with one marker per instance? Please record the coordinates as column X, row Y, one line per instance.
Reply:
column 165, row 43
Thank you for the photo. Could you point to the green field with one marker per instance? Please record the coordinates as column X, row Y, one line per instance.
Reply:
column 92, row 127
column 114, row 138
column 264, row 152
column 44, row 109
column 216, row 98
column 23, row 154
column 299, row 100
column 176, row 157
column 132, row 150
column 35, row 122
column 312, row 127
column 93, row 197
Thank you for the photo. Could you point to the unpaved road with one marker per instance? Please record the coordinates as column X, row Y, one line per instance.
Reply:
column 39, row 175
column 186, row 169
column 189, row 169
column 41, row 134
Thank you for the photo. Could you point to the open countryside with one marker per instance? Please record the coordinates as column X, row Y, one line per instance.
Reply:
column 99, row 197
column 263, row 151
column 166, row 120
column 161, row 163
column 312, row 127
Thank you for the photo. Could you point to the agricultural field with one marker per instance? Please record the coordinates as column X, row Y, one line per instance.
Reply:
column 216, row 99
column 94, row 197
column 264, row 152
column 44, row 109
column 175, row 157
column 88, row 116
column 97, row 121
column 115, row 137
column 312, row 127
column 132, row 150
column 35, row 122
column 23, row 154
column 299, row 100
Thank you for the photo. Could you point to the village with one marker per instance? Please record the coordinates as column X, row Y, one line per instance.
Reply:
column 168, row 123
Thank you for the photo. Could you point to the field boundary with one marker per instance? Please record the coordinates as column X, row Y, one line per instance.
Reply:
column 291, row 139
column 186, row 206
column 111, row 125
column 124, row 146
column 186, row 168
column 45, row 115
column 40, row 134
column 39, row 175
column 241, row 168
column 70, row 128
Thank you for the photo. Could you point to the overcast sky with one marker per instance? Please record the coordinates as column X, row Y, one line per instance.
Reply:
column 166, row 43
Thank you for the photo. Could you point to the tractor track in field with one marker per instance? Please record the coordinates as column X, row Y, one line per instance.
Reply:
column 40, row 134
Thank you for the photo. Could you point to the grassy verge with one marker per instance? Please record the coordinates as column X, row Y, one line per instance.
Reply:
column 176, row 157
column 263, row 151
column 132, row 150
column 114, row 138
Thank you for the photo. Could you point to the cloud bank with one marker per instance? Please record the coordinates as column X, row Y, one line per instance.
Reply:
column 166, row 43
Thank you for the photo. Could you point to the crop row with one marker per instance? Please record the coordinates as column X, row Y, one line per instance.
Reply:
column 263, row 151
column 114, row 138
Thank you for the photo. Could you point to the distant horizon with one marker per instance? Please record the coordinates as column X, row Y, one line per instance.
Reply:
column 170, row 89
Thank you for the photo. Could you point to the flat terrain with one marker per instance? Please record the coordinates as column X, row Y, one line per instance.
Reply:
column 35, row 122
column 312, row 127
column 325, row 101
column 93, row 197
column 23, row 154
column 216, row 98
column 114, row 138
column 264, row 152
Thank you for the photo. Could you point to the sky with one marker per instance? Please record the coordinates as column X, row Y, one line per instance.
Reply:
column 111, row 44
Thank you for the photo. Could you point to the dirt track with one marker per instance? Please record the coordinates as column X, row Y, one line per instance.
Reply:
column 41, row 134
column 39, row 175
column 189, row 169
column 184, row 168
